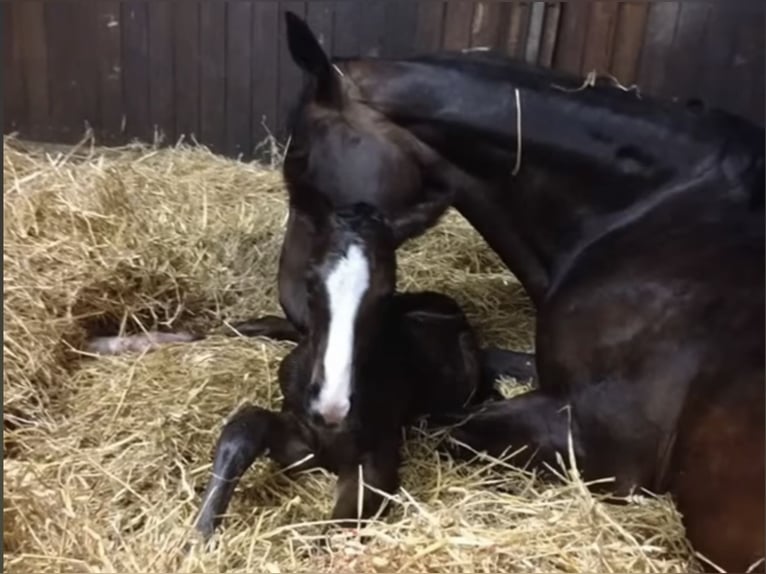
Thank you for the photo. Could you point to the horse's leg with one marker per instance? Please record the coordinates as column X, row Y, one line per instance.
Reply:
column 269, row 326
column 249, row 434
column 534, row 420
column 718, row 478
column 380, row 470
column 498, row 362
column 293, row 263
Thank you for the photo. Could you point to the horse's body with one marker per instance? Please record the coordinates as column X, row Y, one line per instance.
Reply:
column 635, row 226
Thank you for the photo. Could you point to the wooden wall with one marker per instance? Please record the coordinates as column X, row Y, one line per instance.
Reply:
column 219, row 69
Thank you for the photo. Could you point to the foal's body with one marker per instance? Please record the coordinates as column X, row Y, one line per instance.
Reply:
column 416, row 355
column 636, row 227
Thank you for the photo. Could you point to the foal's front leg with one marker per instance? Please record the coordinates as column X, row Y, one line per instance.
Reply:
column 250, row 433
column 380, row 470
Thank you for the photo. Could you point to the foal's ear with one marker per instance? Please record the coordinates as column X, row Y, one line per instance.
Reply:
column 308, row 54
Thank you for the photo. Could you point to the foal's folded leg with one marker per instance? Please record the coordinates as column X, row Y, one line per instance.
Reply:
column 249, row 434
column 379, row 470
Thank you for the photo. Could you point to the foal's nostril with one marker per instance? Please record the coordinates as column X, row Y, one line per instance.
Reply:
column 313, row 391
column 316, row 418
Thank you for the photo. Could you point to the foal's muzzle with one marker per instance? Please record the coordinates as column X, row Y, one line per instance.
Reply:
column 329, row 414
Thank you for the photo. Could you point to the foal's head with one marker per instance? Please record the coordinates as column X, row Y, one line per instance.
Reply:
column 351, row 276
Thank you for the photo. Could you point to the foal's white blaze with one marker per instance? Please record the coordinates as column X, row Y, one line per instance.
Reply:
column 345, row 285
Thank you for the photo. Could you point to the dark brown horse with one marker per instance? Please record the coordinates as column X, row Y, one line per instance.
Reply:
column 636, row 227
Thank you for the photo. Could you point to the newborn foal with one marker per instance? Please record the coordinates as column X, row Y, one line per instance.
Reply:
column 371, row 362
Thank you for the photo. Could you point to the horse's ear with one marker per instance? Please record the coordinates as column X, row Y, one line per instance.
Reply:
column 308, row 54
column 420, row 217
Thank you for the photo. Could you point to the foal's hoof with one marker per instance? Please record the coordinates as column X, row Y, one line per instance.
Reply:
column 344, row 530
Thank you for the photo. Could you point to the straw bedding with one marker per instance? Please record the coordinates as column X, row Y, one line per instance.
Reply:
column 105, row 458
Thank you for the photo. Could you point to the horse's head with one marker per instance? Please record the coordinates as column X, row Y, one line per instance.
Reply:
column 345, row 151
column 351, row 275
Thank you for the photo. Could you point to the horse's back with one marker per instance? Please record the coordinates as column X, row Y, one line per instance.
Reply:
column 661, row 327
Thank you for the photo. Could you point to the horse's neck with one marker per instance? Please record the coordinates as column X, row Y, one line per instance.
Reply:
column 584, row 157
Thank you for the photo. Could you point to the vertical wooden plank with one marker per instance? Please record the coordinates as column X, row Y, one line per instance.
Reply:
column 161, row 97
column 629, row 38
column 14, row 108
column 265, row 74
column 87, row 64
column 489, row 22
column 598, row 44
column 73, row 90
column 290, row 75
column 186, row 59
column 238, row 79
column 550, row 34
column 534, row 32
column 400, row 24
column 319, row 15
column 684, row 67
column 345, row 34
column 517, row 30
column 135, row 38
column 34, row 60
column 571, row 43
column 658, row 43
column 431, row 14
column 457, row 25
column 56, row 20
column 371, row 26
column 212, row 69
column 108, row 40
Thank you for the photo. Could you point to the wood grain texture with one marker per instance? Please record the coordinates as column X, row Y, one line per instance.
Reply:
column 108, row 39
column 629, row 38
column 161, row 70
column 346, row 38
column 490, row 22
column 597, row 53
column 14, row 96
column 534, row 32
column 457, row 25
column 400, row 19
column 135, row 63
column 290, row 75
column 212, row 31
column 186, row 61
column 550, row 34
column 430, row 26
column 570, row 46
column 238, row 79
column 658, row 44
column 369, row 21
column 265, row 62
column 516, row 40
column 319, row 16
